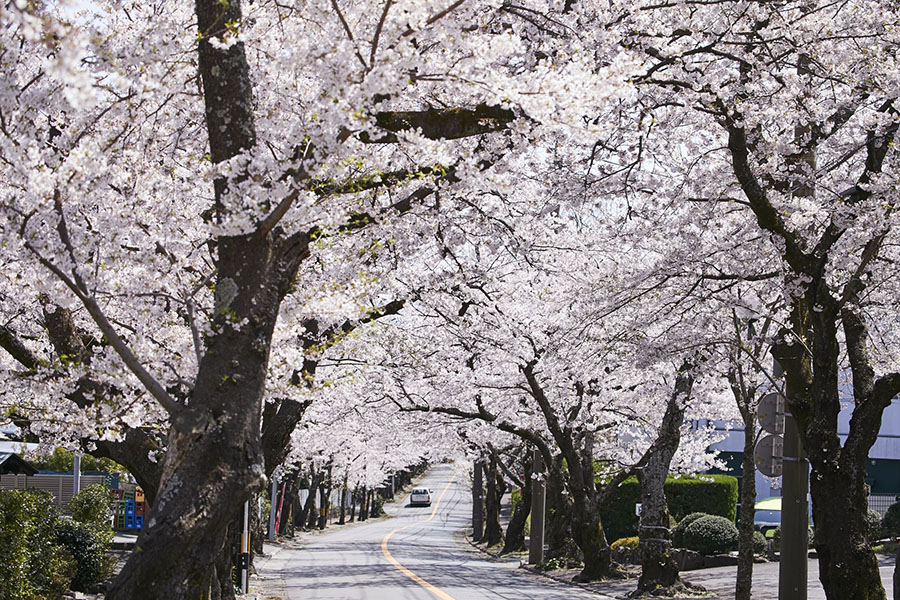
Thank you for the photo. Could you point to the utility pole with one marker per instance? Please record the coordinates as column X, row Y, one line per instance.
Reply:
column 477, row 504
column 273, row 509
column 538, row 505
column 76, row 474
column 792, row 572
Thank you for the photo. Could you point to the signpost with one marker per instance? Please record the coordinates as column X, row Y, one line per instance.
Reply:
column 771, row 413
column 768, row 455
column 785, row 456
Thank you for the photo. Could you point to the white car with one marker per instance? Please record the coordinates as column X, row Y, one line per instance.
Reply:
column 420, row 497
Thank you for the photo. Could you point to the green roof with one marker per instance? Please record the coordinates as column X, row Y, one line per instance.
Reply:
column 13, row 463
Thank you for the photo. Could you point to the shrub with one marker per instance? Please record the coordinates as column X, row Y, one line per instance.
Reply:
column 629, row 542
column 889, row 548
column 88, row 546
column 711, row 534
column 91, row 507
column 32, row 565
column 760, row 544
column 678, row 531
column 892, row 520
column 873, row 526
column 776, row 537
column 711, row 494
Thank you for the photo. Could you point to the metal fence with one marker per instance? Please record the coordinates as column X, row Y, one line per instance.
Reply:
column 880, row 502
column 60, row 485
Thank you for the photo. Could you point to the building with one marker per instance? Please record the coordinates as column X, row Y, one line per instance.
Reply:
column 883, row 468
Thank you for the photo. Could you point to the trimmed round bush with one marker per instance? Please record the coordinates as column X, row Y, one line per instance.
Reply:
column 88, row 548
column 760, row 544
column 873, row 526
column 678, row 530
column 626, row 542
column 810, row 537
column 711, row 534
column 892, row 520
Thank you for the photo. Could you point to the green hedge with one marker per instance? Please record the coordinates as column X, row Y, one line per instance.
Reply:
column 711, row 494
column 43, row 553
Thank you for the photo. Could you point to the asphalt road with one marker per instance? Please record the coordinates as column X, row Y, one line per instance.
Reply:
column 418, row 554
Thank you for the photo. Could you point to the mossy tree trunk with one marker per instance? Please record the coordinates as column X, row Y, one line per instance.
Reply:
column 515, row 531
column 494, row 488
column 659, row 571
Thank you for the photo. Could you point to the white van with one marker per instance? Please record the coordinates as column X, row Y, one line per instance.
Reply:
column 420, row 497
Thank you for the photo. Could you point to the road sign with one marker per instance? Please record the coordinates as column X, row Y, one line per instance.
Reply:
column 768, row 455
column 771, row 413
column 637, row 510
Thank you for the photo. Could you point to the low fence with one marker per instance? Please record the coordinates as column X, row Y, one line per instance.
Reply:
column 59, row 485
column 880, row 502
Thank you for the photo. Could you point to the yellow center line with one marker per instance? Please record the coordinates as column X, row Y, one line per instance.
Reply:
column 387, row 554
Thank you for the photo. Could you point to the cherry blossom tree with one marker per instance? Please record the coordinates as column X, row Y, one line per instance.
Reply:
column 798, row 102
column 169, row 170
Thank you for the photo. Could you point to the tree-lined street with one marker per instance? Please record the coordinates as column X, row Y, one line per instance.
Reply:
column 350, row 563
column 251, row 248
column 357, row 563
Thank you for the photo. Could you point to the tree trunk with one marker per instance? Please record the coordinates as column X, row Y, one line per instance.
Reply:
column 303, row 518
column 363, row 504
column 493, row 534
column 558, row 515
column 222, row 585
column 324, row 503
column 353, row 498
column 587, row 529
column 588, row 534
column 515, row 531
column 848, row 568
column 659, row 571
column 185, row 534
column 214, row 455
column 312, row 516
column 343, row 518
column 289, row 505
column 478, row 501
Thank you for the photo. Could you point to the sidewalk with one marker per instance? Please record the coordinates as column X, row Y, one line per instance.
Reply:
column 720, row 581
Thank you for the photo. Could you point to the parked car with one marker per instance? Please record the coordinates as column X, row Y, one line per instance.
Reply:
column 768, row 515
column 420, row 497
